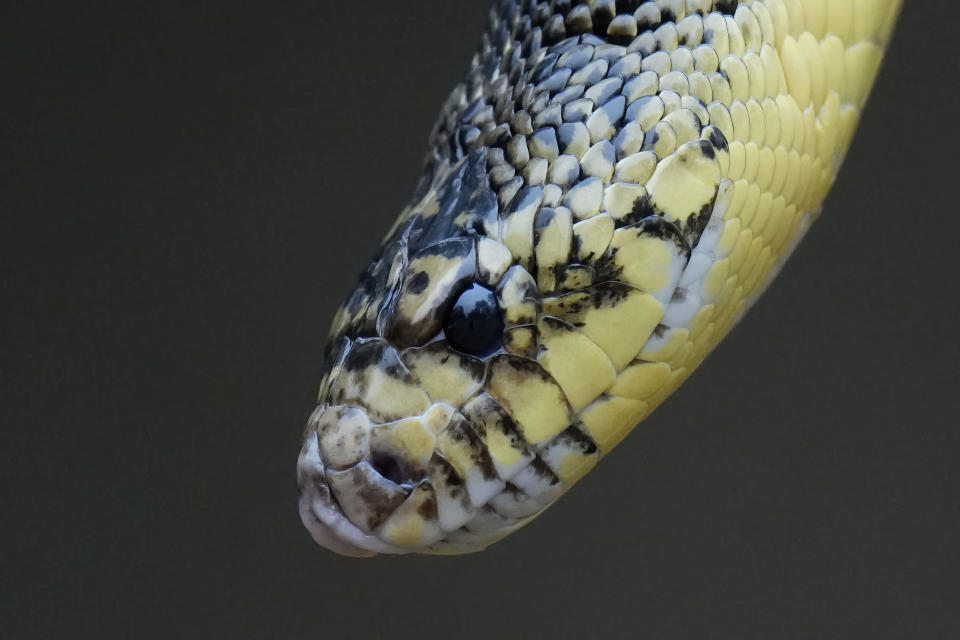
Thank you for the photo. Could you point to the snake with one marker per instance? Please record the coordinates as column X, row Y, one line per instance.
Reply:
column 605, row 194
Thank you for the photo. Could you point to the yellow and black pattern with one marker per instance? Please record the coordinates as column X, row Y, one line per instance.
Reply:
column 606, row 192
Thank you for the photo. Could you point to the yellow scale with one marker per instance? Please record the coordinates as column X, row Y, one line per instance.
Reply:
column 785, row 88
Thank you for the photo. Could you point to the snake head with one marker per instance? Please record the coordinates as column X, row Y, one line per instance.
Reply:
column 465, row 375
column 412, row 446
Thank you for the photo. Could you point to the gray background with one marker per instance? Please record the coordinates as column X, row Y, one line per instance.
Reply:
column 188, row 190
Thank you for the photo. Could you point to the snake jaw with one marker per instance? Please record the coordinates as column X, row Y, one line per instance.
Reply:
column 407, row 452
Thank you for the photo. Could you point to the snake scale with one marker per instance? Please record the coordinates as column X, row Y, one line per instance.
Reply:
column 606, row 192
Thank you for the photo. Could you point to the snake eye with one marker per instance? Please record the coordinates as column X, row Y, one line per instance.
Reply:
column 474, row 325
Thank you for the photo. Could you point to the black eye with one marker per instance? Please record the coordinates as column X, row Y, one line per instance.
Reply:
column 474, row 325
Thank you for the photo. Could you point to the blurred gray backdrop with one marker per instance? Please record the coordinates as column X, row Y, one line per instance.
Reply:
column 189, row 190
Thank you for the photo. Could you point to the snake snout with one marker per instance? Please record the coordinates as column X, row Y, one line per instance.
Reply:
column 319, row 511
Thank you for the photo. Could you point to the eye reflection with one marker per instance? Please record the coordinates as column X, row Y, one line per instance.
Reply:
column 474, row 325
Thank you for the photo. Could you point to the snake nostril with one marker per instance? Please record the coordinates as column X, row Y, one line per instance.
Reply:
column 389, row 467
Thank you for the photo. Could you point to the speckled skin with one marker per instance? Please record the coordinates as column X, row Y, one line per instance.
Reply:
column 624, row 178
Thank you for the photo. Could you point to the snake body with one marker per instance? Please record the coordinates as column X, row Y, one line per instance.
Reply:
column 606, row 192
